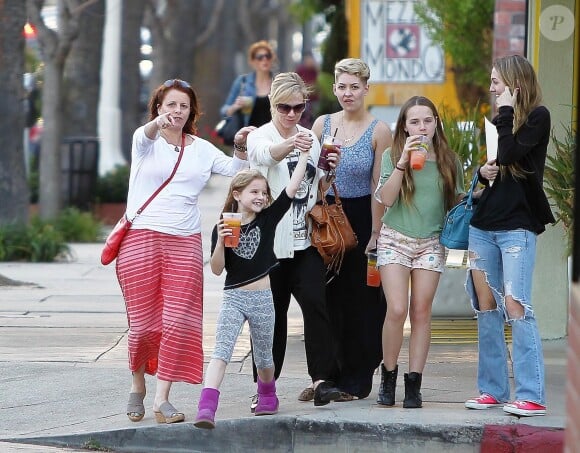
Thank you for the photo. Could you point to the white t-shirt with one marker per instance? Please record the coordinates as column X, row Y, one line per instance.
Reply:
column 174, row 210
column 292, row 232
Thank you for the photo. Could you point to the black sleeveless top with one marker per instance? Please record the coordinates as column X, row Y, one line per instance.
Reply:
column 261, row 112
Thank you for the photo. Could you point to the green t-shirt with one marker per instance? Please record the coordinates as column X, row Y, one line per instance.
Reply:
column 423, row 217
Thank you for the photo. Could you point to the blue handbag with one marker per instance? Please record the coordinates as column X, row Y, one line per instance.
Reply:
column 455, row 232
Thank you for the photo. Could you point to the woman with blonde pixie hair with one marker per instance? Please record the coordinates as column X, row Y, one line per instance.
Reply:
column 356, row 326
column 274, row 149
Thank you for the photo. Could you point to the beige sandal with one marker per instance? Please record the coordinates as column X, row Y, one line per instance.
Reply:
column 344, row 397
column 307, row 394
column 135, row 407
column 168, row 414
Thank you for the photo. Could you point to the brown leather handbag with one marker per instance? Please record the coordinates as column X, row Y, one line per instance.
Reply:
column 331, row 232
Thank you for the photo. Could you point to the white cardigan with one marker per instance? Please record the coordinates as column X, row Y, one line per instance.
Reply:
column 259, row 142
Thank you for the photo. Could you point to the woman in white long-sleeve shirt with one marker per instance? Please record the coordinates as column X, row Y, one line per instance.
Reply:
column 160, row 263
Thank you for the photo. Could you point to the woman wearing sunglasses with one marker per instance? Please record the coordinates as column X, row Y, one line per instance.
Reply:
column 160, row 263
column 357, row 326
column 249, row 92
column 274, row 149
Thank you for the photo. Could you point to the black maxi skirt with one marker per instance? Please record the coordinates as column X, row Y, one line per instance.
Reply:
column 357, row 311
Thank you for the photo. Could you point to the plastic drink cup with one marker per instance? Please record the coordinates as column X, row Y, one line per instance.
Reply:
column 248, row 104
column 232, row 220
column 419, row 155
column 373, row 275
column 330, row 144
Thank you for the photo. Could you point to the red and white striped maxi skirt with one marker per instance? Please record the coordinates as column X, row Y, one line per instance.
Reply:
column 161, row 277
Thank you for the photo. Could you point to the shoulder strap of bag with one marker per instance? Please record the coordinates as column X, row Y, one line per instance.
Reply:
column 167, row 181
column 336, row 197
column 242, row 85
column 472, row 188
column 323, row 197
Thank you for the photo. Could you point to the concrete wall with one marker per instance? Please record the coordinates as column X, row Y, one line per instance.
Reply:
column 553, row 58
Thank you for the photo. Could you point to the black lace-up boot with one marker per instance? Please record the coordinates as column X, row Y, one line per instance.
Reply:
column 413, row 398
column 388, row 385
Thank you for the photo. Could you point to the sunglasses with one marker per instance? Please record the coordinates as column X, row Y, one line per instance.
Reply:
column 263, row 56
column 171, row 82
column 285, row 108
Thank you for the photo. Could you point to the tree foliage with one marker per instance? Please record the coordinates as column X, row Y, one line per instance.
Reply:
column 559, row 179
column 335, row 46
column 464, row 28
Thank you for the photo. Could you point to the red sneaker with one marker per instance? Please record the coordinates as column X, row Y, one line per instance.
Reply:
column 483, row 401
column 524, row 408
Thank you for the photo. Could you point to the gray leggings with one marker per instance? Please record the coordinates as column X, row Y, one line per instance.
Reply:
column 258, row 308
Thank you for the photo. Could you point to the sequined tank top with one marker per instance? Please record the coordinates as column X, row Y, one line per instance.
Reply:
column 353, row 174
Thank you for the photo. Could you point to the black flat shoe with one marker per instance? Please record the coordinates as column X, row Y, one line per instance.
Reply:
column 324, row 393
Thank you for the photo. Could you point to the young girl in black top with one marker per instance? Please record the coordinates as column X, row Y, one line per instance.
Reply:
column 512, row 211
column 247, row 294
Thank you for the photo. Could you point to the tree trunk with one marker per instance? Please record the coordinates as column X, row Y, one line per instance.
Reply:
column 134, row 108
column 13, row 184
column 82, row 76
column 50, row 192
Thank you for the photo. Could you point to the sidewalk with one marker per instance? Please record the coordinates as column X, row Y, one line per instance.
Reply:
column 63, row 366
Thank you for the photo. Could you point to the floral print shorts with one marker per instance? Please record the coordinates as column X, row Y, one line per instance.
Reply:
column 415, row 253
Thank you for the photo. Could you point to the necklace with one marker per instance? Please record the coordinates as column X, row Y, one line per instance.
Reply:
column 176, row 148
column 344, row 132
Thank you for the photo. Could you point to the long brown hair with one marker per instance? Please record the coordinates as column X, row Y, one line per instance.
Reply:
column 445, row 157
column 176, row 84
column 240, row 181
column 517, row 72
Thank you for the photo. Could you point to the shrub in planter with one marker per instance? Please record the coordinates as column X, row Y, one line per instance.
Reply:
column 37, row 242
column 463, row 135
column 113, row 186
column 77, row 226
column 559, row 180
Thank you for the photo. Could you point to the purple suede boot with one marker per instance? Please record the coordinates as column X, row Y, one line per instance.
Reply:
column 267, row 399
column 208, row 403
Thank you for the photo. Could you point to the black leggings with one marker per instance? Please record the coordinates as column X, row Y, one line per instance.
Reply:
column 304, row 278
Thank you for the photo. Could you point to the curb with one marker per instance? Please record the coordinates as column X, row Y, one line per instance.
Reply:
column 284, row 434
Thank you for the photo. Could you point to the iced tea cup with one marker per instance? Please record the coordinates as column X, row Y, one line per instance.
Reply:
column 419, row 155
column 233, row 221
column 373, row 275
column 330, row 144
column 248, row 104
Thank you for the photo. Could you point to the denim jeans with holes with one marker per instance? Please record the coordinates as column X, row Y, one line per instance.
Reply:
column 507, row 258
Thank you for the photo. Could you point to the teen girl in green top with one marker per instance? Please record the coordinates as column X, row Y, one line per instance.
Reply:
column 408, row 245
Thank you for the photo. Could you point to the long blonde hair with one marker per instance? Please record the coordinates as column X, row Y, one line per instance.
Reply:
column 240, row 181
column 446, row 158
column 517, row 72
